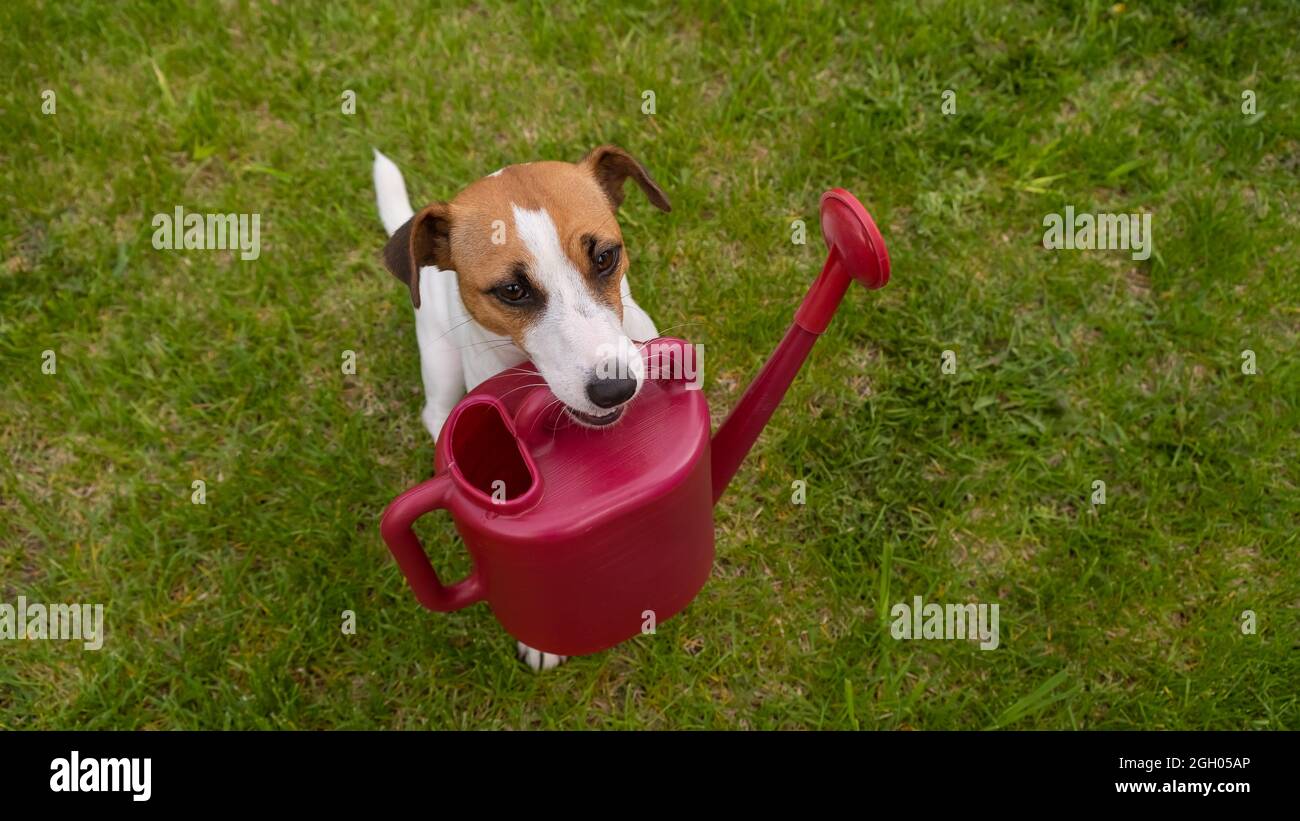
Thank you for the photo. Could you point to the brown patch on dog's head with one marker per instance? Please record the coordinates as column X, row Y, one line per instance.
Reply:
column 489, row 253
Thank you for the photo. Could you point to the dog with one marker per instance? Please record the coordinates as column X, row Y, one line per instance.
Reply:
column 527, row 263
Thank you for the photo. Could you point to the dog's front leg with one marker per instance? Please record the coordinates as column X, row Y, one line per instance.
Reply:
column 440, row 363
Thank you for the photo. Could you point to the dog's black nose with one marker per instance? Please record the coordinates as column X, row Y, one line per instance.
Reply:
column 606, row 393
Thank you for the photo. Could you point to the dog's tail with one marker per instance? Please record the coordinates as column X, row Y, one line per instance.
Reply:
column 390, row 194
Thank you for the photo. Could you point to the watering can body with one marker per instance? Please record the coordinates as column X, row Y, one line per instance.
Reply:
column 580, row 538
column 583, row 538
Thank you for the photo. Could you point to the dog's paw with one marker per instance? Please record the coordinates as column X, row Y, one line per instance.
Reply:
column 433, row 419
column 536, row 659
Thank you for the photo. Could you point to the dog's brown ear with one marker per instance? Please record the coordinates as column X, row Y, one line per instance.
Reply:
column 611, row 166
column 425, row 239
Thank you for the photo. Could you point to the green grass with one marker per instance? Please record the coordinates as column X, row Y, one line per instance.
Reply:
column 1073, row 366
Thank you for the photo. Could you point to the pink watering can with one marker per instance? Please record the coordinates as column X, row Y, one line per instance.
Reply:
column 583, row 538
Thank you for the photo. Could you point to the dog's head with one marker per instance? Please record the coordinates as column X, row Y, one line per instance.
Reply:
column 539, row 257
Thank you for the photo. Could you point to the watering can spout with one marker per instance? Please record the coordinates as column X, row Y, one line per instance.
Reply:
column 856, row 251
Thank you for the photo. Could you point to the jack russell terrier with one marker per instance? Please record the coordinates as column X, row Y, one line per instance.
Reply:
column 525, row 263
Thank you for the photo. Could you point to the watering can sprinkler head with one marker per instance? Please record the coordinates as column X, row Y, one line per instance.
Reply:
column 853, row 239
column 855, row 251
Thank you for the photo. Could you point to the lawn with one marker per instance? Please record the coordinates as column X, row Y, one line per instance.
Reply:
column 1070, row 366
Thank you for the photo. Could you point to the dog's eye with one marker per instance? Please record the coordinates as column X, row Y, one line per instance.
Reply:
column 606, row 261
column 512, row 292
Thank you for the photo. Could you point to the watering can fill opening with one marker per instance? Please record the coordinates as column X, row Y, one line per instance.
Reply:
column 487, row 460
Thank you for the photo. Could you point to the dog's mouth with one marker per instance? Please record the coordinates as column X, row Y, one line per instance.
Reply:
column 594, row 421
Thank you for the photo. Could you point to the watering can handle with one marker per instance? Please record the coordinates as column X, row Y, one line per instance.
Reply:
column 406, row 548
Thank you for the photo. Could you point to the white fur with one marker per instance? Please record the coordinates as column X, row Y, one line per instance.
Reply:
column 575, row 334
column 567, row 344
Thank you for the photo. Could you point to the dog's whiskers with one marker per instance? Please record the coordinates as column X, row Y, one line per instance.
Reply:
column 549, row 405
column 499, row 343
column 521, row 387
column 664, row 332
column 555, row 427
column 517, row 372
column 452, row 328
